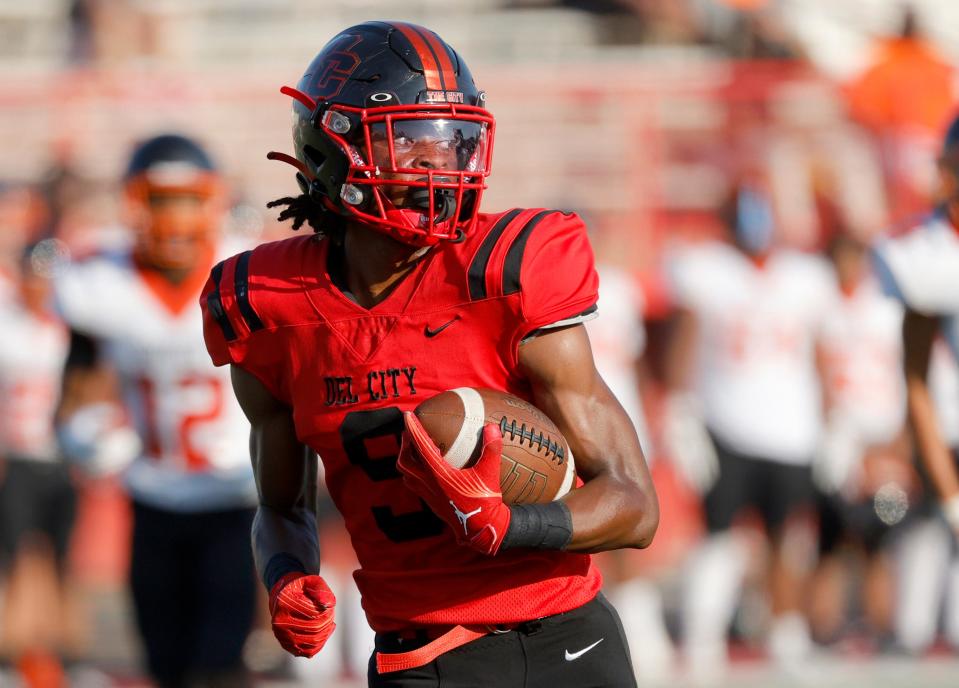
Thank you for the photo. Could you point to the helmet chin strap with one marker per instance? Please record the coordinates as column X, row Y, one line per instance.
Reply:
column 443, row 201
column 411, row 217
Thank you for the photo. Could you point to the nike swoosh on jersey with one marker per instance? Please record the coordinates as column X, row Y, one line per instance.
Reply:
column 570, row 656
column 432, row 333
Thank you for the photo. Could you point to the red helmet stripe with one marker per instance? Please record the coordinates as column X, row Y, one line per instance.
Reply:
column 447, row 72
column 430, row 69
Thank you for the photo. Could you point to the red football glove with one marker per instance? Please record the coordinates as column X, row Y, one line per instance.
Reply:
column 302, row 611
column 469, row 499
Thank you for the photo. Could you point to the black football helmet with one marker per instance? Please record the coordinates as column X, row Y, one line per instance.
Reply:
column 390, row 130
column 169, row 152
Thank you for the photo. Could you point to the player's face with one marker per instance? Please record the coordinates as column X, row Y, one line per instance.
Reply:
column 176, row 229
column 423, row 145
column 754, row 225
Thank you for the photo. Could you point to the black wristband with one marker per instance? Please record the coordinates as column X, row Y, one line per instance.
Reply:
column 539, row 526
column 280, row 565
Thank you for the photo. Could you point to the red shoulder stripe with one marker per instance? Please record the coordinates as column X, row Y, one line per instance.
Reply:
column 502, row 274
column 480, row 263
column 514, row 256
column 241, row 286
column 229, row 301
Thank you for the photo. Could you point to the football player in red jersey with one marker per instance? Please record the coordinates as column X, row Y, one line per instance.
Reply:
column 405, row 290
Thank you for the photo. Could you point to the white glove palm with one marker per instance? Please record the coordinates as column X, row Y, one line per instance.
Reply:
column 98, row 439
column 688, row 443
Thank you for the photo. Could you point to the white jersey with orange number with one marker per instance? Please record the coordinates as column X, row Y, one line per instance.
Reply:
column 33, row 349
column 618, row 337
column 756, row 373
column 193, row 431
column 862, row 344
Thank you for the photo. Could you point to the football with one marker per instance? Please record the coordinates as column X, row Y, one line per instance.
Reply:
column 537, row 465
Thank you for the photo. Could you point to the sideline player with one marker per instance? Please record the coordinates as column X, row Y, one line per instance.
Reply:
column 745, row 417
column 862, row 468
column 37, row 494
column 407, row 290
column 132, row 312
column 920, row 269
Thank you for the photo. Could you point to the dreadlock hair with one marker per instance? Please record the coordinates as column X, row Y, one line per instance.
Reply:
column 303, row 209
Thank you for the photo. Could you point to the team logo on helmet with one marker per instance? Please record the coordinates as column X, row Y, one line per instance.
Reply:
column 338, row 67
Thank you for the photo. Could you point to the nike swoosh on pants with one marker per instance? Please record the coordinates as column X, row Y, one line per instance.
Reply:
column 570, row 656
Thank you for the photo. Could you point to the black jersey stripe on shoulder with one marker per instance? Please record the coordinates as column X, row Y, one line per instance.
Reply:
column 514, row 256
column 241, row 285
column 477, row 269
column 214, row 304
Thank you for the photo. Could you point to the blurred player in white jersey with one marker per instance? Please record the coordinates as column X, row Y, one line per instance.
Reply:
column 37, row 496
column 862, row 467
column 744, row 418
column 921, row 269
column 134, row 313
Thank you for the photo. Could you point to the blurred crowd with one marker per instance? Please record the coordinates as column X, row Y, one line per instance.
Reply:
column 742, row 327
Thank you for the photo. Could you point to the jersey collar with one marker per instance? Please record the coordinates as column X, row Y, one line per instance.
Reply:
column 176, row 296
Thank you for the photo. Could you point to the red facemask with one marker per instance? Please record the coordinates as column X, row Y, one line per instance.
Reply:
column 416, row 172
column 425, row 170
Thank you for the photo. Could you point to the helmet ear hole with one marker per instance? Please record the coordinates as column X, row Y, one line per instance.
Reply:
column 316, row 157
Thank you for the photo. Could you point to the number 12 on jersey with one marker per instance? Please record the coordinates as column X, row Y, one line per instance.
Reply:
column 170, row 424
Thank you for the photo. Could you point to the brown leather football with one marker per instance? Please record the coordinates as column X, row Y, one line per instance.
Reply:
column 537, row 465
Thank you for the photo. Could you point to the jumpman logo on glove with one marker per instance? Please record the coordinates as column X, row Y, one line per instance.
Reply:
column 473, row 492
column 463, row 518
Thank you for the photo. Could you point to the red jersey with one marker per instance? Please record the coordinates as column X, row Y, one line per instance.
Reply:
column 349, row 373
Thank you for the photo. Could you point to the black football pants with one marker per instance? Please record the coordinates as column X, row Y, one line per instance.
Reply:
column 583, row 648
column 194, row 591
